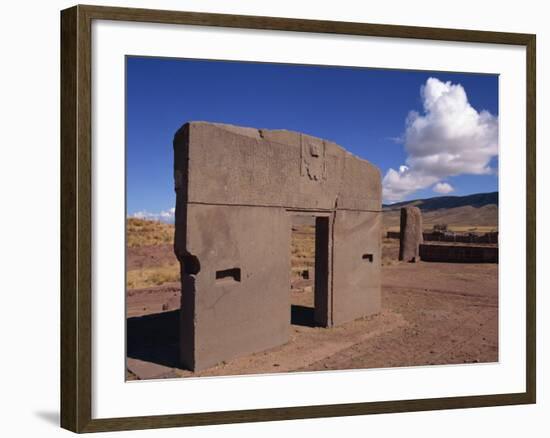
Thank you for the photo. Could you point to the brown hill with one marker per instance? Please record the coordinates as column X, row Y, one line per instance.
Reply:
column 466, row 218
column 440, row 202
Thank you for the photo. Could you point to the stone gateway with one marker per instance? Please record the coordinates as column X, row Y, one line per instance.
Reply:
column 237, row 190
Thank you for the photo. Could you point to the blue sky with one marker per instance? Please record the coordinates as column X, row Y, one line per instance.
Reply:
column 367, row 111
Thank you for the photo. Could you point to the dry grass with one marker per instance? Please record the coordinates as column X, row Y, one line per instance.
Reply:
column 302, row 249
column 156, row 276
column 141, row 232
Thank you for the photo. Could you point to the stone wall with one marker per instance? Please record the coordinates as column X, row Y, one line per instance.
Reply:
column 458, row 253
column 462, row 237
column 491, row 237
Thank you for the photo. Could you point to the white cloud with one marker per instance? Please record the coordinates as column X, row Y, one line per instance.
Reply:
column 443, row 187
column 449, row 138
column 163, row 216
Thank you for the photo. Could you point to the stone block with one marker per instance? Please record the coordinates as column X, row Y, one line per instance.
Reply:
column 410, row 234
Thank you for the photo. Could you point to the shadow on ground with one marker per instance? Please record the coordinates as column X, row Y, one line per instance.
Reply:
column 302, row 315
column 155, row 338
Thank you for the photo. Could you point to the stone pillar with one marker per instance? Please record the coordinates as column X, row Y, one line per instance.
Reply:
column 410, row 236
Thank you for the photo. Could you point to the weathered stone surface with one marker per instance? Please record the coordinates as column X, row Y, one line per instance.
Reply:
column 410, row 234
column 236, row 192
column 356, row 269
column 229, row 165
column 241, row 293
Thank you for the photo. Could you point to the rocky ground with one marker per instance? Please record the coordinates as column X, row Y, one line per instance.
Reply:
column 432, row 313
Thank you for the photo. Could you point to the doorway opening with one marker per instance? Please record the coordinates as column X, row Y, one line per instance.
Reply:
column 309, row 266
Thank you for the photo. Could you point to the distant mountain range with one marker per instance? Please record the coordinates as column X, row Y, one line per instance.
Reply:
column 477, row 200
column 477, row 212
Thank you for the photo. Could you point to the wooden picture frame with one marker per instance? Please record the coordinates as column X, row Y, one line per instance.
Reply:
column 76, row 217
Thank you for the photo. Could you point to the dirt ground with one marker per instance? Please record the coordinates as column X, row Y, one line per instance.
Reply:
column 432, row 313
